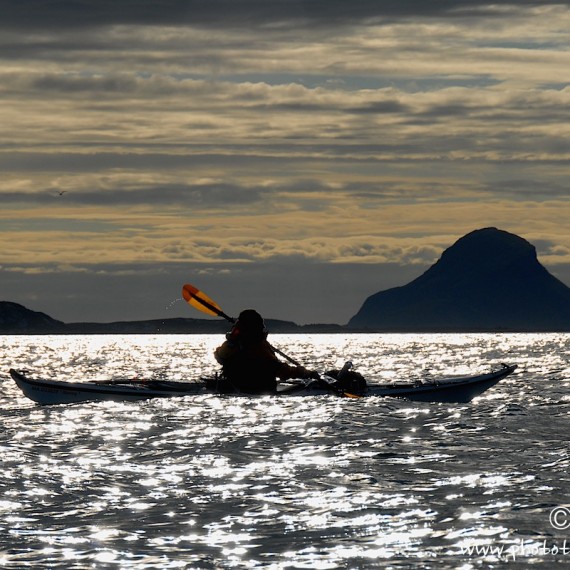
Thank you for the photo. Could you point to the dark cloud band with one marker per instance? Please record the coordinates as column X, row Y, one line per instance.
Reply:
column 52, row 14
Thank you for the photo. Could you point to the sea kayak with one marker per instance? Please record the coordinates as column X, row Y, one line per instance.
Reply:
column 453, row 390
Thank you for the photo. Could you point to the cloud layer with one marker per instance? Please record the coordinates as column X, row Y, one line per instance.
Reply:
column 251, row 132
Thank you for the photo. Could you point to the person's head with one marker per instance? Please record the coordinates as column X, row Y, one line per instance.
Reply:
column 250, row 325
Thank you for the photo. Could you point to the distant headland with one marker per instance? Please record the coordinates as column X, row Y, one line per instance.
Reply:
column 488, row 281
column 17, row 319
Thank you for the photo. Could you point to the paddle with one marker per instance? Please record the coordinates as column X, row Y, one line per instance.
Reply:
column 199, row 300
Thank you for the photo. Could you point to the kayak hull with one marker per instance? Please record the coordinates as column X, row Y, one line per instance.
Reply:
column 61, row 392
column 450, row 390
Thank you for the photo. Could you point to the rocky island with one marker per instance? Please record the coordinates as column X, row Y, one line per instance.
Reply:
column 489, row 280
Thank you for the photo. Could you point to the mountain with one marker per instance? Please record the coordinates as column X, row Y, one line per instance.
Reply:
column 16, row 318
column 489, row 280
column 170, row 326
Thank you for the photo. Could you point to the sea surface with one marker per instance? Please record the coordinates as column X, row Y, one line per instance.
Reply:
column 315, row 482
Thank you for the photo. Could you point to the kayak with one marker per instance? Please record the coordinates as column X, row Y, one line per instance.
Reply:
column 451, row 390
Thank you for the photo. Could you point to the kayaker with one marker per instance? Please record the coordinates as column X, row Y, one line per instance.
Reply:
column 248, row 361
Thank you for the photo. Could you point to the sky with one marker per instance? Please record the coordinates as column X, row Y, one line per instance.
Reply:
column 293, row 156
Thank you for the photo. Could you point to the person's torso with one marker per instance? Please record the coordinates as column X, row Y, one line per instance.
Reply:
column 252, row 368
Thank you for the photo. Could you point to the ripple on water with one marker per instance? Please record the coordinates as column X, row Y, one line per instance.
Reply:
column 207, row 482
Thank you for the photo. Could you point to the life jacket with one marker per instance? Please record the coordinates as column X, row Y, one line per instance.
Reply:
column 251, row 367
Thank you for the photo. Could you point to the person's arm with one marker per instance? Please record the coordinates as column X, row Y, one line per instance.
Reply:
column 224, row 352
column 285, row 372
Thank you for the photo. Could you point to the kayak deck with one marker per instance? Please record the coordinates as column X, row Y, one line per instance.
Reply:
column 452, row 390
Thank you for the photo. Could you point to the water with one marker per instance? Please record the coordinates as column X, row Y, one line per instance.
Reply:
column 316, row 482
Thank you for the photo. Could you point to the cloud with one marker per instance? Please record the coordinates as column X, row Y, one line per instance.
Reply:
column 245, row 134
column 536, row 189
column 197, row 197
column 493, row 44
column 227, row 123
column 42, row 14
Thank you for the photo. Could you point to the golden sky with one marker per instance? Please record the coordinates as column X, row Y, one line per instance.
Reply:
column 298, row 142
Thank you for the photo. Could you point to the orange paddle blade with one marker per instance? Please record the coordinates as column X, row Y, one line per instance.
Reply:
column 201, row 301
